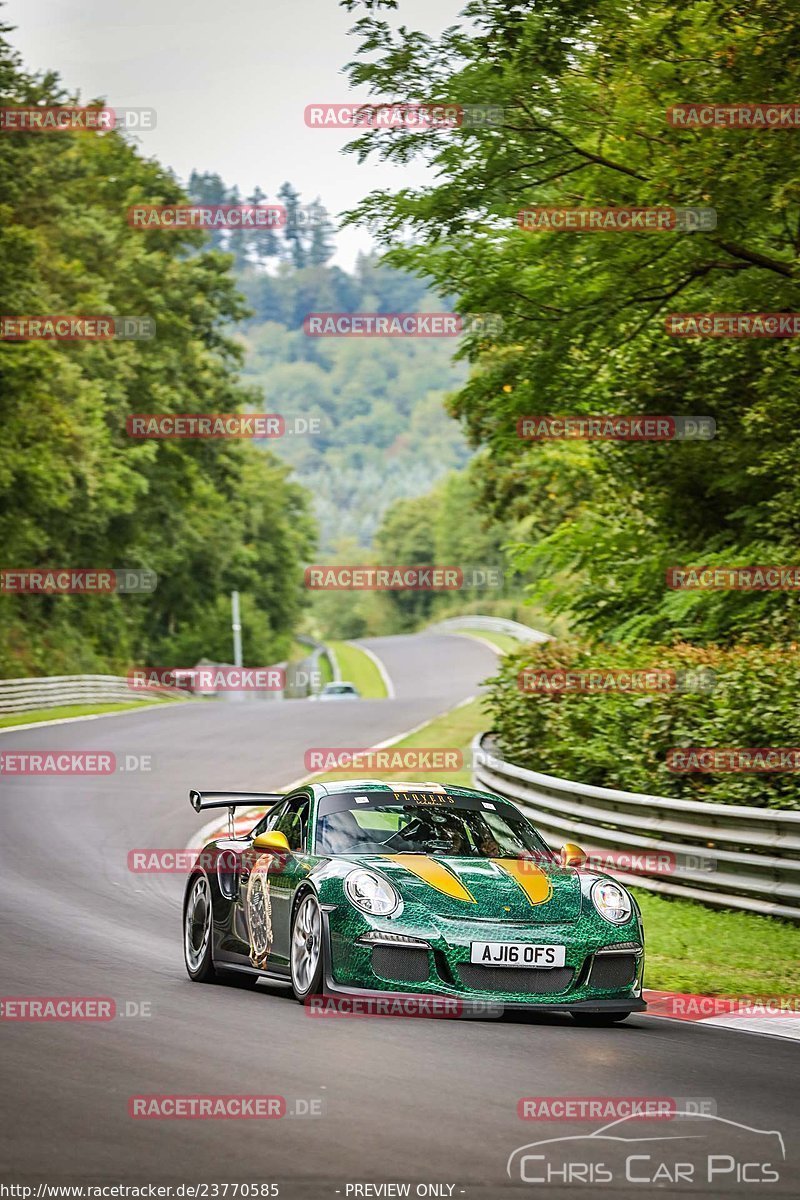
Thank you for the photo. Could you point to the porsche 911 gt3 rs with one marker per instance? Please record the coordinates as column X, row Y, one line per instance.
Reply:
column 368, row 888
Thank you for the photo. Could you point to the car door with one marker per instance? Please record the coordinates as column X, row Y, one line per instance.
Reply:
column 236, row 945
column 287, row 872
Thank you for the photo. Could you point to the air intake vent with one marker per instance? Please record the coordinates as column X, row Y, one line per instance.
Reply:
column 397, row 962
column 511, row 979
column 612, row 971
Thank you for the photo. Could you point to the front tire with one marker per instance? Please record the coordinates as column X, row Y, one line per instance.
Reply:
column 198, row 928
column 597, row 1019
column 306, row 948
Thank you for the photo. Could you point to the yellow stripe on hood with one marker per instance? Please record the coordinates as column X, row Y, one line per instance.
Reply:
column 531, row 879
column 435, row 875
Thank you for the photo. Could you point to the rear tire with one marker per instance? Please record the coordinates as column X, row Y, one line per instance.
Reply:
column 198, row 931
column 597, row 1019
column 306, row 948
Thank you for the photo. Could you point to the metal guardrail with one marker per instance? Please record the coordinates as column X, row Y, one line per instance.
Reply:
column 523, row 633
column 52, row 691
column 309, row 668
column 726, row 855
column 55, row 691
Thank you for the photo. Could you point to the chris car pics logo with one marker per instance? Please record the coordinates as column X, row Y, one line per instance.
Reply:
column 696, row 1149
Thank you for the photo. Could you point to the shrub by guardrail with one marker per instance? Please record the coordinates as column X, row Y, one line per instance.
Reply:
column 622, row 739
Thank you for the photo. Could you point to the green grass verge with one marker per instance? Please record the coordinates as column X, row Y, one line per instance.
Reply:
column 503, row 641
column 325, row 671
column 8, row 720
column 357, row 667
column 691, row 948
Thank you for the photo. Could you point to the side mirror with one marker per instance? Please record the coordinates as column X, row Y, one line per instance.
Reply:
column 572, row 855
column 271, row 841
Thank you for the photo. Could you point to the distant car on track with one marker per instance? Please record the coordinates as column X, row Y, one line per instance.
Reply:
column 340, row 690
column 362, row 887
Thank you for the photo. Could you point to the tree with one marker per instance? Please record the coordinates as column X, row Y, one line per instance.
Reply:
column 583, row 91
column 259, row 245
column 294, row 230
column 321, row 246
column 75, row 489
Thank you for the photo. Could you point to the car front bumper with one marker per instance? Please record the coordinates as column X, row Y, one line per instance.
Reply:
column 349, row 971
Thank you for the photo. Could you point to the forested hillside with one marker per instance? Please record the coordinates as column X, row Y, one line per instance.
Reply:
column 384, row 432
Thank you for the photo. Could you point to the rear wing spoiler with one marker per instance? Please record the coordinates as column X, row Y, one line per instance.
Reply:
column 202, row 800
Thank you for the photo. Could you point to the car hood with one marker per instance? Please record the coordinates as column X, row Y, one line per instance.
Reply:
column 502, row 889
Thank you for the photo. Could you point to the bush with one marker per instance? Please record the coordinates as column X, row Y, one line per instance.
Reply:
column 616, row 739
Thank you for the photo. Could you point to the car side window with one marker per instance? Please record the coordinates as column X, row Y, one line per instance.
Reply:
column 268, row 821
column 293, row 821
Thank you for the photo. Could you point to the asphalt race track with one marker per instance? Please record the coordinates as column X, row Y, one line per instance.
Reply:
column 430, row 1101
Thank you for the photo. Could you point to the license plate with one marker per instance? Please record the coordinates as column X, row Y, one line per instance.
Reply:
column 516, row 954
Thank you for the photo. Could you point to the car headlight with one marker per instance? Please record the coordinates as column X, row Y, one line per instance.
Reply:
column 370, row 893
column 612, row 901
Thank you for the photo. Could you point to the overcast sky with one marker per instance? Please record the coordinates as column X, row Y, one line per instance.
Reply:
column 229, row 80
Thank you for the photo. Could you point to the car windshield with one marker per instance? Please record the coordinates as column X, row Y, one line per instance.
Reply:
column 445, row 828
column 339, row 689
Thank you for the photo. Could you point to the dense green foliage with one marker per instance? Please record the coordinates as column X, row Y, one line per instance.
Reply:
column 618, row 739
column 75, row 490
column 584, row 90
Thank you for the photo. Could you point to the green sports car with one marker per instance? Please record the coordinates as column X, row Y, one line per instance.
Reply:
column 359, row 890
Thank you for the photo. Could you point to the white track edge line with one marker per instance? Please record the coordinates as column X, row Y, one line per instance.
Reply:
column 384, row 674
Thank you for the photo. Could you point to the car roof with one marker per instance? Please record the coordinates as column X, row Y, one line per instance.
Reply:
column 336, row 787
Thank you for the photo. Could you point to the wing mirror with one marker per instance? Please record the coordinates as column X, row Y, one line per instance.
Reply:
column 572, row 855
column 273, row 841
